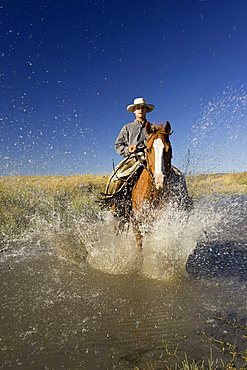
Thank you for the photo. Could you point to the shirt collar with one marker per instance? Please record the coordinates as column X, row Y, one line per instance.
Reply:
column 141, row 123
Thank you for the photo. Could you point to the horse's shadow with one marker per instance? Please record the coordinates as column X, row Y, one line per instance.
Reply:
column 218, row 258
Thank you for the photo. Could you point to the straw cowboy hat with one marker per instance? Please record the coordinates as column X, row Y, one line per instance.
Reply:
column 140, row 101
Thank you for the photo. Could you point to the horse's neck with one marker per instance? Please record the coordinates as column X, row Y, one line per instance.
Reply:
column 144, row 185
column 145, row 176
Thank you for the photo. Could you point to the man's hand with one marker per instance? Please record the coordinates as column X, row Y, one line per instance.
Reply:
column 132, row 148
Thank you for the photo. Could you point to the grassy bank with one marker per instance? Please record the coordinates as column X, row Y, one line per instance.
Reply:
column 24, row 200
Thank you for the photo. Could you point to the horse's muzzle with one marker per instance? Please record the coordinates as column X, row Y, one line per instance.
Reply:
column 159, row 181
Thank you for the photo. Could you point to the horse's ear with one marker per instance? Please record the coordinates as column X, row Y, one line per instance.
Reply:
column 148, row 128
column 168, row 128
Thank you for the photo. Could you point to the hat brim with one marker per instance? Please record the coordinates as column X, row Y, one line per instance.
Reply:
column 131, row 107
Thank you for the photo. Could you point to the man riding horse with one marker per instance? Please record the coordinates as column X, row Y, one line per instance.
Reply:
column 133, row 135
column 131, row 144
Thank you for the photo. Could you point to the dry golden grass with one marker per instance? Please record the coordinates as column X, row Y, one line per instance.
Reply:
column 56, row 183
column 228, row 183
column 198, row 185
column 25, row 198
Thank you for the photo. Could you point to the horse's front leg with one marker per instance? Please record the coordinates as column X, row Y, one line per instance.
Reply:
column 138, row 235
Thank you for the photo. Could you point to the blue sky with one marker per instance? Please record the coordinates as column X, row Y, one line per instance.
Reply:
column 70, row 68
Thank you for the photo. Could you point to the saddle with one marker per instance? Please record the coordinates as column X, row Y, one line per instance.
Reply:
column 124, row 174
column 117, row 195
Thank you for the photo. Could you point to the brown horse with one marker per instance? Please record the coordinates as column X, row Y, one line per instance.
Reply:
column 150, row 190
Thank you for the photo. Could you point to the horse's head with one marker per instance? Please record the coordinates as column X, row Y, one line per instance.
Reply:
column 159, row 152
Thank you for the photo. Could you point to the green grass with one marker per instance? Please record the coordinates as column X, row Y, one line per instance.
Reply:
column 191, row 364
column 170, row 360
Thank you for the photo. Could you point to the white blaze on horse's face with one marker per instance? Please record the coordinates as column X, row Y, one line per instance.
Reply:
column 158, row 166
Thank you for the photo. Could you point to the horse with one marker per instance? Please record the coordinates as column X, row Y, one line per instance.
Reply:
column 150, row 191
column 150, row 184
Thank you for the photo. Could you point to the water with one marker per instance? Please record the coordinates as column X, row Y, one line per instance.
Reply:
column 218, row 138
column 111, row 310
column 60, row 315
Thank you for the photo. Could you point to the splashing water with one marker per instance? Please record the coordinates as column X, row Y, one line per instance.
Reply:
column 110, row 251
column 167, row 246
column 31, row 145
column 219, row 136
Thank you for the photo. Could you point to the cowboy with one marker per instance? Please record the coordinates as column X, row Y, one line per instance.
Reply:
column 132, row 136
column 130, row 143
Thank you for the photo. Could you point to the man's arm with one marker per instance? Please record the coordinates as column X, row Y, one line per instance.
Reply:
column 122, row 142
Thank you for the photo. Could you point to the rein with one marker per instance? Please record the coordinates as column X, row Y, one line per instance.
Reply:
column 146, row 165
